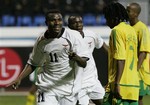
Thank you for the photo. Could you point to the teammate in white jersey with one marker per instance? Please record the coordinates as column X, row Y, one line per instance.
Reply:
column 58, row 51
column 91, row 86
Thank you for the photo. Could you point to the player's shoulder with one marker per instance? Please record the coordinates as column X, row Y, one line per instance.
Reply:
column 88, row 31
column 121, row 27
column 72, row 33
column 40, row 38
column 141, row 25
column 69, row 30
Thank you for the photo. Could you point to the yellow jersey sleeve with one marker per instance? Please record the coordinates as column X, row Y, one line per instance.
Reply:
column 144, row 39
column 118, row 44
column 143, row 35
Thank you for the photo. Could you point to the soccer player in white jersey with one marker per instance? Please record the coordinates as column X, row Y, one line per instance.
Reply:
column 91, row 86
column 58, row 51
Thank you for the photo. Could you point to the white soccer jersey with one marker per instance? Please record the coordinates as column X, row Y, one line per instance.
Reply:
column 58, row 71
column 92, row 40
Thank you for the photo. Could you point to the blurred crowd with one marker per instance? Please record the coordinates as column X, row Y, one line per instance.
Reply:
column 15, row 10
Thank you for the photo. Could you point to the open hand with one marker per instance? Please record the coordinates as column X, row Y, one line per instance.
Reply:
column 14, row 84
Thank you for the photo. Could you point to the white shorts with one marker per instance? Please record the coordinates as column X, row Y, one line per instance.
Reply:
column 69, row 100
column 47, row 99
column 52, row 99
column 84, row 100
column 94, row 92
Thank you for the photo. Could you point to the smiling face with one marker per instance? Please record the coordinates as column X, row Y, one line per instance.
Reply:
column 75, row 23
column 54, row 23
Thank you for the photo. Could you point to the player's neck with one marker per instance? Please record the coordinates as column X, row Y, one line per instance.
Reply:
column 49, row 34
column 82, row 33
column 133, row 22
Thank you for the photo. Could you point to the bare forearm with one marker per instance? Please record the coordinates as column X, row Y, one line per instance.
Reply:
column 26, row 71
column 105, row 47
column 141, row 58
column 81, row 61
column 120, row 68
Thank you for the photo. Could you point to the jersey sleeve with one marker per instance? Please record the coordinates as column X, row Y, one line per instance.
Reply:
column 37, row 56
column 144, row 39
column 98, row 41
column 118, row 45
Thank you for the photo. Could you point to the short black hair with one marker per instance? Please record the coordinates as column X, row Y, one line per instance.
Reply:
column 72, row 17
column 115, row 11
column 138, row 7
column 51, row 11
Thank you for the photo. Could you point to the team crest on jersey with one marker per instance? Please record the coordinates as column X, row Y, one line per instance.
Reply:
column 89, row 43
column 65, row 45
column 65, row 48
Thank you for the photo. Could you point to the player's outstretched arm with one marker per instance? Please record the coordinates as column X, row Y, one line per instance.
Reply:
column 26, row 71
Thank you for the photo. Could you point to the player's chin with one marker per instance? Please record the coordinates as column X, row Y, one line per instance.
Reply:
column 57, row 30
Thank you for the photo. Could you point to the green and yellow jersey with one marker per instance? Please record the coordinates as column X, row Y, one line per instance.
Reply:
column 143, row 36
column 123, row 46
